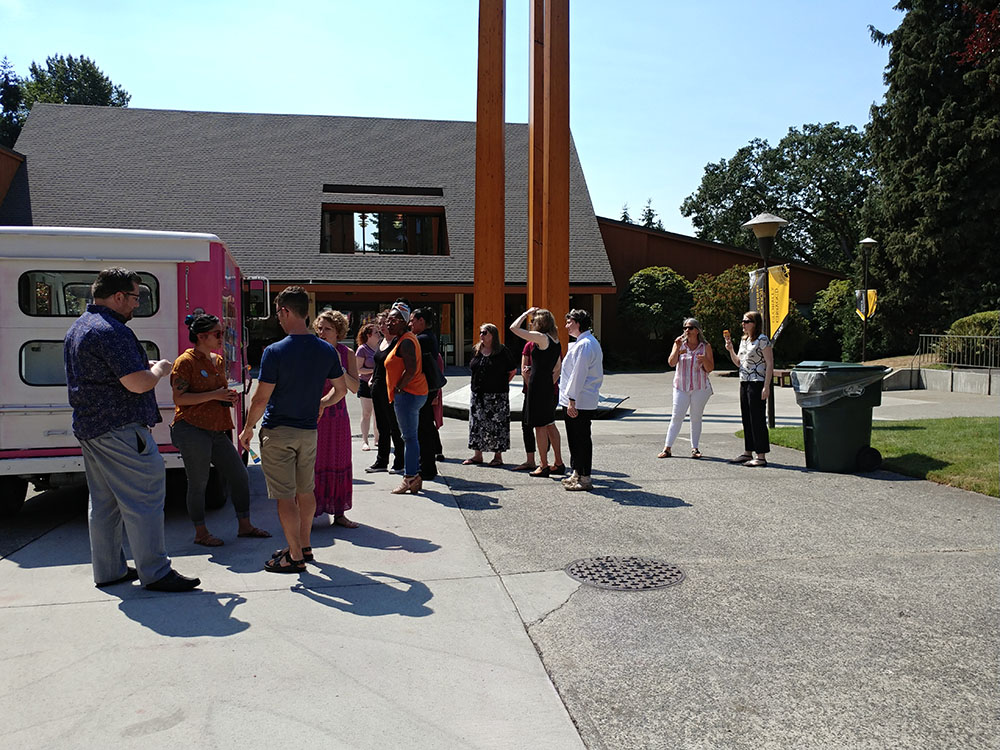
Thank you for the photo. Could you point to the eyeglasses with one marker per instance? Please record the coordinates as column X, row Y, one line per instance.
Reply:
column 131, row 294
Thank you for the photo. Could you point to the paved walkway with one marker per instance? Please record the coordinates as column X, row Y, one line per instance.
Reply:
column 818, row 610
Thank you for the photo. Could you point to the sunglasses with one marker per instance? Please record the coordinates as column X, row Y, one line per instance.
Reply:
column 745, row 322
column 690, row 328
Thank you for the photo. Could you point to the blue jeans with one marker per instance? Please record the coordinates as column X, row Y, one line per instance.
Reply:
column 127, row 485
column 407, row 407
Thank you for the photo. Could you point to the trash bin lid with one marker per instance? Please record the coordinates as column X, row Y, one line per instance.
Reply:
column 836, row 367
column 819, row 383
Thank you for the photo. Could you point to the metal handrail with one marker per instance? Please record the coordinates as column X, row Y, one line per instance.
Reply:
column 957, row 352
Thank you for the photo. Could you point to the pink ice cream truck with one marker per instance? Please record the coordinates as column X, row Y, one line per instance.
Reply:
column 45, row 275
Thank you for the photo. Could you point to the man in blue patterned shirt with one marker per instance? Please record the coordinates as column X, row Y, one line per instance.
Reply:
column 111, row 386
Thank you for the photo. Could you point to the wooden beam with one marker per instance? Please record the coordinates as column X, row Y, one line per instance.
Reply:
column 555, row 179
column 488, row 278
column 536, row 153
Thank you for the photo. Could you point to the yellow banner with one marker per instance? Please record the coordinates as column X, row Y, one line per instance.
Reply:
column 777, row 297
column 865, row 307
column 778, row 285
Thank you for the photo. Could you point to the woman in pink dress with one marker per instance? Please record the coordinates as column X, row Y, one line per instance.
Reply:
column 334, row 472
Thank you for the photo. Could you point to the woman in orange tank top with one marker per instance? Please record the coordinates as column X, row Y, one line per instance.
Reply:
column 407, row 389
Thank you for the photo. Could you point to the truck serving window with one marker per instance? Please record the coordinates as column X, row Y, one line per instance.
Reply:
column 66, row 294
column 42, row 361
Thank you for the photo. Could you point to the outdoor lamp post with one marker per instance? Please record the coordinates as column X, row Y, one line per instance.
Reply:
column 765, row 228
column 866, row 247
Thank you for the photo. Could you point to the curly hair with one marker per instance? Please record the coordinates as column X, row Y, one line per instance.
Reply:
column 336, row 319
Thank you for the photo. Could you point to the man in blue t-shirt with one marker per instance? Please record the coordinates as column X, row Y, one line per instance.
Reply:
column 290, row 396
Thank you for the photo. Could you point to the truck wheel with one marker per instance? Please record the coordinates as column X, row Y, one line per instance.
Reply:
column 868, row 459
column 217, row 492
column 13, row 491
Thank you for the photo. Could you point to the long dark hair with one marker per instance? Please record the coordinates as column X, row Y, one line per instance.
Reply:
column 497, row 343
column 758, row 324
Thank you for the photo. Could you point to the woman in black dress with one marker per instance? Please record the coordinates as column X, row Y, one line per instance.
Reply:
column 389, row 435
column 493, row 368
column 541, row 378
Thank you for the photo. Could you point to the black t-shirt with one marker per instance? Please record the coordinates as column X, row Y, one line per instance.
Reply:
column 490, row 374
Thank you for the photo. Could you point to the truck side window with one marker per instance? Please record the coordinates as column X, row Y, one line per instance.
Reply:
column 66, row 294
column 42, row 361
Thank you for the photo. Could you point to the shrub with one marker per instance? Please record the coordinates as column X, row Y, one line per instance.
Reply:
column 719, row 303
column 980, row 324
column 655, row 302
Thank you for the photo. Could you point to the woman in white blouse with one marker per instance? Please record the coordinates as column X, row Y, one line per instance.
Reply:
column 756, row 362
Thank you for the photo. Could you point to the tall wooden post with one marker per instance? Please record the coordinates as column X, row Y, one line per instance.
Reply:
column 488, row 281
column 555, row 178
column 536, row 153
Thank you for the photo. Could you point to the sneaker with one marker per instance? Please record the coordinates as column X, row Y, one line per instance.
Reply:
column 376, row 467
column 174, row 582
column 582, row 484
column 571, row 479
column 365, row 447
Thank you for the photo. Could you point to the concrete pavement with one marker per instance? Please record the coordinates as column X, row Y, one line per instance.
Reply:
column 818, row 610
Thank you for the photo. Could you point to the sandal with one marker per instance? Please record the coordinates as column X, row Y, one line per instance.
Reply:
column 558, row 469
column 307, row 554
column 695, row 453
column 741, row 459
column 344, row 521
column 209, row 541
column 756, row 462
column 525, row 467
column 542, row 471
column 496, row 462
column 294, row 566
column 255, row 533
column 665, row 453
column 471, row 462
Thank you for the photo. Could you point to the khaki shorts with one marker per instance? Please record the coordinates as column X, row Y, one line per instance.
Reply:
column 288, row 458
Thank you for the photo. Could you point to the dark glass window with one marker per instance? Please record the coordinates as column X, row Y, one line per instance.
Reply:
column 403, row 232
column 41, row 362
column 66, row 294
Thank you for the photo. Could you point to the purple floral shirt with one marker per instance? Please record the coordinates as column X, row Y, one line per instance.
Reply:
column 99, row 350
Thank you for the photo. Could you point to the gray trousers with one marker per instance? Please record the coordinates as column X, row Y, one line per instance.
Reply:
column 127, row 485
column 200, row 449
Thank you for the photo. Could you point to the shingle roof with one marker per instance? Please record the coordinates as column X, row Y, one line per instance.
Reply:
column 256, row 180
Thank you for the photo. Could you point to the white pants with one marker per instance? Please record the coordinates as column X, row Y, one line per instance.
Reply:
column 684, row 400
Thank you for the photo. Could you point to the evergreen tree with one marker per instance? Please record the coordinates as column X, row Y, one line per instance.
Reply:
column 625, row 217
column 648, row 217
column 10, row 104
column 63, row 80
column 935, row 141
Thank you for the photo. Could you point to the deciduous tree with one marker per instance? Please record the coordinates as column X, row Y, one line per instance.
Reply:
column 817, row 178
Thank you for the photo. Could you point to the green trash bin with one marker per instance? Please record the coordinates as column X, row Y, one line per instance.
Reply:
column 837, row 399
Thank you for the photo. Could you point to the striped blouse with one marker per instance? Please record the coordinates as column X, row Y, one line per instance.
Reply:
column 690, row 375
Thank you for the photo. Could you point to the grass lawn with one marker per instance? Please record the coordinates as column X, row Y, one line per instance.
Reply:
column 962, row 452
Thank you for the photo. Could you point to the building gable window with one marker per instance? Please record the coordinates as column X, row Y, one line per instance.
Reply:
column 386, row 230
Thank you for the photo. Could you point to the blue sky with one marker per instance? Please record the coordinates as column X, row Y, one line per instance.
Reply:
column 658, row 88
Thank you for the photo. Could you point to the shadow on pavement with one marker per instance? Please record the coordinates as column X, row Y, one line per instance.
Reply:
column 194, row 615
column 373, row 538
column 363, row 593
column 626, row 493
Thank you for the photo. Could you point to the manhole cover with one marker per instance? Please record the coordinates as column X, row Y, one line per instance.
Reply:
column 624, row 573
